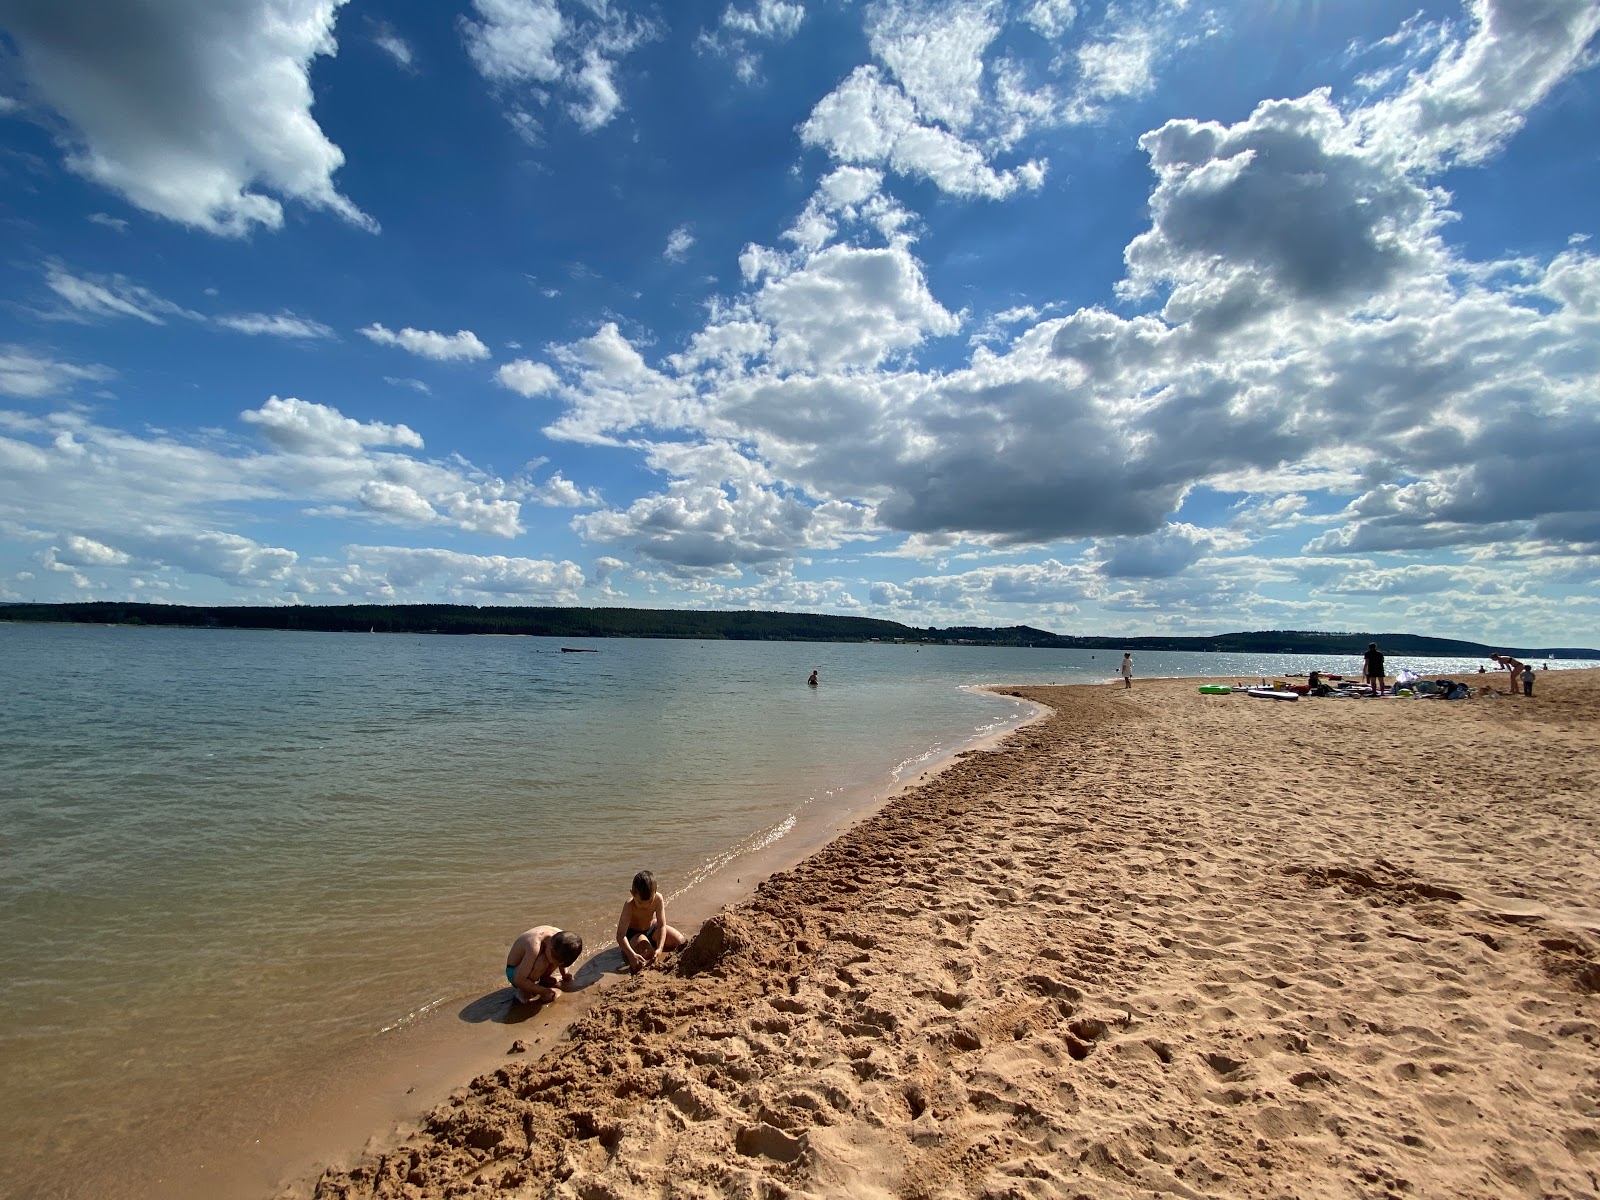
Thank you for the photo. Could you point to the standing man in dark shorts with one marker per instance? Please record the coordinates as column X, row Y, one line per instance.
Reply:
column 1372, row 662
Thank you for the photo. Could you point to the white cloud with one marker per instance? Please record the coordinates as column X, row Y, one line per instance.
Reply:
column 1120, row 66
column 397, row 500
column 740, row 30
column 848, row 307
column 559, row 492
column 463, row 575
column 166, row 503
column 229, row 557
column 678, row 243
column 774, row 19
column 867, row 120
column 196, row 110
column 1313, row 340
column 302, row 427
column 615, row 389
column 1051, row 18
column 110, row 222
column 284, row 325
column 1478, row 92
column 527, row 378
column 91, row 297
column 441, row 347
column 31, row 376
column 415, row 385
column 86, row 552
column 391, row 43
column 936, row 55
column 535, row 50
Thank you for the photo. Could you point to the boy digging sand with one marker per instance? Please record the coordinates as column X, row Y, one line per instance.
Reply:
column 642, row 930
column 537, row 958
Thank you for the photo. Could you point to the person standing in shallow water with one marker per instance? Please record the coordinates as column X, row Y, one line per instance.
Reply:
column 813, row 680
column 1127, row 670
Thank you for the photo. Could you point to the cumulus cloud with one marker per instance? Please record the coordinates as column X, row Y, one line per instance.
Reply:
column 848, row 307
column 535, row 50
column 1300, row 331
column 694, row 527
column 1167, row 552
column 195, row 111
column 527, row 378
column 1287, row 205
column 869, row 120
column 425, row 343
column 302, row 427
column 76, row 551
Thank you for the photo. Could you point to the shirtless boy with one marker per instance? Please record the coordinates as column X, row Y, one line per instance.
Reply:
column 642, row 929
column 537, row 963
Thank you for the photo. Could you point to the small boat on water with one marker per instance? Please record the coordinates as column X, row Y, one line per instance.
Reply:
column 578, row 650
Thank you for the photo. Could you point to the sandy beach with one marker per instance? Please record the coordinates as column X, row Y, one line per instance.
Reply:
column 1156, row 943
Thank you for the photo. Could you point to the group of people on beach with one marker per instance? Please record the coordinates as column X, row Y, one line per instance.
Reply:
column 538, row 961
column 1521, row 673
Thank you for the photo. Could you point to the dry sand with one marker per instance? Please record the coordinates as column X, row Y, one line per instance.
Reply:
column 1158, row 943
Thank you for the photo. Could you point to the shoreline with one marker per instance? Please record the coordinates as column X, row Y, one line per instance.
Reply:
column 1151, row 941
column 371, row 1093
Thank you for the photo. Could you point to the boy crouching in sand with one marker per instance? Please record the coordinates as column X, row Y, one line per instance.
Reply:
column 642, row 930
column 536, row 960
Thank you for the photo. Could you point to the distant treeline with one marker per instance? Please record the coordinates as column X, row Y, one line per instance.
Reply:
column 733, row 626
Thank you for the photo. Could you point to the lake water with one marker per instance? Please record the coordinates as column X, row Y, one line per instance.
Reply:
column 233, row 855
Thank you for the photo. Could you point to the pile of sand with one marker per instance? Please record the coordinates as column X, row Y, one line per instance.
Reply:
column 1158, row 943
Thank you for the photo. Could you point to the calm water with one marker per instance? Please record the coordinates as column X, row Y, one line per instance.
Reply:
column 231, row 854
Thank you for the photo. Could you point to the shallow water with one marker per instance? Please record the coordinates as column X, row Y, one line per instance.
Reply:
column 230, row 854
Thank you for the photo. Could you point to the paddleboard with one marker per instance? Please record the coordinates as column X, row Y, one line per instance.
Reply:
column 1271, row 694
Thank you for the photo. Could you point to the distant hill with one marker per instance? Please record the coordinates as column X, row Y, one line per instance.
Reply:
column 734, row 626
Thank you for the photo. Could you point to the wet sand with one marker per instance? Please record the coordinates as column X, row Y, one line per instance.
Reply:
column 1157, row 943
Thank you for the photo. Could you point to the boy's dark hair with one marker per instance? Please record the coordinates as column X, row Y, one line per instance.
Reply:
column 644, row 885
column 566, row 946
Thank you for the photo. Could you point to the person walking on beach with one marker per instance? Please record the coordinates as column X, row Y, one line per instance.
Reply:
column 1527, row 681
column 1372, row 663
column 537, row 962
column 642, row 929
column 1127, row 670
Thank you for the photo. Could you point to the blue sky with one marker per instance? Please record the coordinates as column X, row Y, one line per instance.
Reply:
column 1147, row 317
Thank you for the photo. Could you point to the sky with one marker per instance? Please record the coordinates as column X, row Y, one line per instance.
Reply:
column 1155, row 316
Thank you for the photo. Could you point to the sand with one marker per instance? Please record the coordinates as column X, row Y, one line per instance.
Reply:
column 1156, row 944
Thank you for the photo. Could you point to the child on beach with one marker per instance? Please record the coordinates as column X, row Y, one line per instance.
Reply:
column 538, row 960
column 642, row 929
